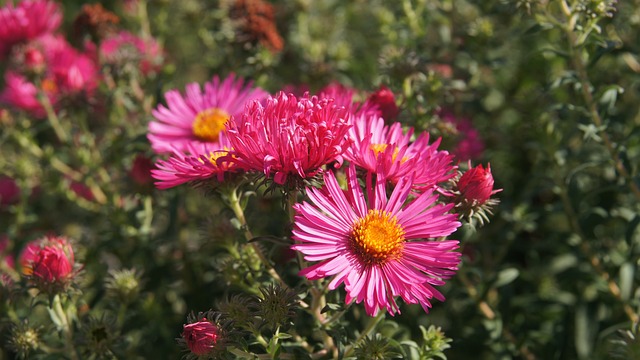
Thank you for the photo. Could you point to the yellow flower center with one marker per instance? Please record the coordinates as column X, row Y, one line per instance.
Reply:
column 380, row 148
column 377, row 238
column 209, row 123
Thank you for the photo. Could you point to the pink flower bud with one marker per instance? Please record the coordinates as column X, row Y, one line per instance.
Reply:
column 201, row 337
column 386, row 103
column 48, row 261
column 476, row 185
column 34, row 60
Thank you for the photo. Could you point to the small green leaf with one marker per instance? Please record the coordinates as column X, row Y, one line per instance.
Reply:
column 506, row 276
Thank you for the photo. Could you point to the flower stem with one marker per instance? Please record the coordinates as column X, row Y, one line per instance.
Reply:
column 234, row 204
column 53, row 118
column 62, row 315
column 371, row 325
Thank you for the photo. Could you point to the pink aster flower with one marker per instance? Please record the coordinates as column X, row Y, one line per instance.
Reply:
column 26, row 21
column 199, row 117
column 384, row 100
column 380, row 247
column 125, row 47
column 390, row 151
column 346, row 97
column 198, row 163
column 289, row 138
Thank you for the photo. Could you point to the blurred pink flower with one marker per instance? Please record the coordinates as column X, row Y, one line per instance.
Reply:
column 377, row 247
column 377, row 147
column 289, row 138
column 346, row 97
column 27, row 20
column 67, row 74
column 384, row 100
column 9, row 191
column 125, row 47
column 470, row 146
column 201, row 337
column 49, row 262
column 81, row 190
column 197, row 118
column 141, row 170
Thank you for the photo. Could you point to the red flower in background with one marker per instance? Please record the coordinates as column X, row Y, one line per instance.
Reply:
column 385, row 101
column 9, row 191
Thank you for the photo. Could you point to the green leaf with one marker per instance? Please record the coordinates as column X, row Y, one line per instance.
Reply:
column 506, row 276
column 627, row 271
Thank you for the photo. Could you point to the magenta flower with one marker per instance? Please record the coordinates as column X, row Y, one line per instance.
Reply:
column 289, row 138
column 470, row 145
column 201, row 336
column 26, row 21
column 199, row 117
column 380, row 247
column 196, row 164
column 388, row 150
column 345, row 96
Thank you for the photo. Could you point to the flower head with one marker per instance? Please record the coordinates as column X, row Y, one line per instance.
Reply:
column 289, row 139
column 125, row 47
column 26, row 21
column 199, row 117
column 384, row 100
column 49, row 262
column 473, row 193
column 197, row 163
column 140, row 170
column 476, row 184
column 9, row 191
column 470, row 145
column 203, row 335
column 377, row 147
column 380, row 247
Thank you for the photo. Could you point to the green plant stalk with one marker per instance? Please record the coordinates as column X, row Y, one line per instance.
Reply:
column 234, row 205
column 53, row 118
column 56, row 306
column 371, row 326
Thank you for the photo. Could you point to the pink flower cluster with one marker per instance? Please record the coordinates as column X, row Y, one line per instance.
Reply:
column 382, row 240
column 44, row 67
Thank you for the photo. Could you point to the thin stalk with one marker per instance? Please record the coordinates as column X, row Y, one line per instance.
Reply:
column 234, row 205
column 53, row 118
column 56, row 306
column 371, row 325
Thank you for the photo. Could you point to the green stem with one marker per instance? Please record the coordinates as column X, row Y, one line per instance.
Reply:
column 53, row 118
column 234, row 205
column 61, row 314
column 371, row 325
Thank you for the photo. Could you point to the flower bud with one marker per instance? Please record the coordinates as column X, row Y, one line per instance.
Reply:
column 141, row 171
column 34, row 60
column 473, row 194
column 205, row 336
column 123, row 285
column 384, row 99
column 49, row 262
column 9, row 191
column 24, row 339
column 476, row 185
